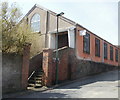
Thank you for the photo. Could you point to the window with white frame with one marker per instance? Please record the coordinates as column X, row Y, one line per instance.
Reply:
column 35, row 23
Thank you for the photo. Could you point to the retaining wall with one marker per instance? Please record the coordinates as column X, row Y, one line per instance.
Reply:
column 69, row 66
column 15, row 69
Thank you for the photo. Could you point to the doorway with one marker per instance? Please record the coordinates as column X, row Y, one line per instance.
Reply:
column 63, row 40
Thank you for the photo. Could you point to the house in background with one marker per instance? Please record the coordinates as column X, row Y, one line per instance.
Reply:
column 88, row 47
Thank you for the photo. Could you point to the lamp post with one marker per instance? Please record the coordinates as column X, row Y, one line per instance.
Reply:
column 60, row 14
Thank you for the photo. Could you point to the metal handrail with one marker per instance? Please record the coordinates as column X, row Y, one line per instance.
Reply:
column 62, row 48
column 31, row 75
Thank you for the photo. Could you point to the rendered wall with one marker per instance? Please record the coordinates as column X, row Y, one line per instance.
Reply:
column 11, row 72
column 15, row 70
column 38, row 45
column 63, row 24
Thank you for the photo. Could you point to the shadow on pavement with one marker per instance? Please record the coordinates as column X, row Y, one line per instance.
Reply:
column 107, row 76
column 44, row 95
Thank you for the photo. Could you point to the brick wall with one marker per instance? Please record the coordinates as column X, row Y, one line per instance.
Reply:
column 62, row 64
column 49, row 66
column 35, row 63
column 70, row 67
column 25, row 66
column 91, row 56
column 82, row 68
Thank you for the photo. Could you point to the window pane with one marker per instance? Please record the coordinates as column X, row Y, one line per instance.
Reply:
column 97, row 47
column 35, row 23
column 116, row 55
column 111, row 53
column 105, row 50
column 86, row 43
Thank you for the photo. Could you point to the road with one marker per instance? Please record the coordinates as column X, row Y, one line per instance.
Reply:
column 104, row 85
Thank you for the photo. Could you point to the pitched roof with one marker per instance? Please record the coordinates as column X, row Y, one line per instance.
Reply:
column 63, row 18
column 53, row 13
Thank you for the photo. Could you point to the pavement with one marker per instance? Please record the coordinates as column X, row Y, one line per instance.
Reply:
column 104, row 85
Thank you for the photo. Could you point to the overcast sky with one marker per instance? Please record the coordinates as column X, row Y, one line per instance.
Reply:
column 98, row 16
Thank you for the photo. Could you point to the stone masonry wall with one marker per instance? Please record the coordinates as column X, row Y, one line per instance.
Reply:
column 82, row 68
column 70, row 67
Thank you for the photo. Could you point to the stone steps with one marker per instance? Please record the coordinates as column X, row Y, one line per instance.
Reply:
column 35, row 81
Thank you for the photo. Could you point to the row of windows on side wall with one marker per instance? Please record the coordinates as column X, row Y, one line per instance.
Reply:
column 86, row 48
column 111, row 52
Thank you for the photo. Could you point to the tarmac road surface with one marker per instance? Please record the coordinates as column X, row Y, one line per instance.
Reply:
column 104, row 85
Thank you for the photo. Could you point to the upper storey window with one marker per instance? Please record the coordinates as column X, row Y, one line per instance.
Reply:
column 35, row 23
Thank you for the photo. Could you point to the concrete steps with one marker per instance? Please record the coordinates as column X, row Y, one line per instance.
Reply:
column 35, row 81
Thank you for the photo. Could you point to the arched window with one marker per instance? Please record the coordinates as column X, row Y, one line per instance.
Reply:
column 35, row 23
